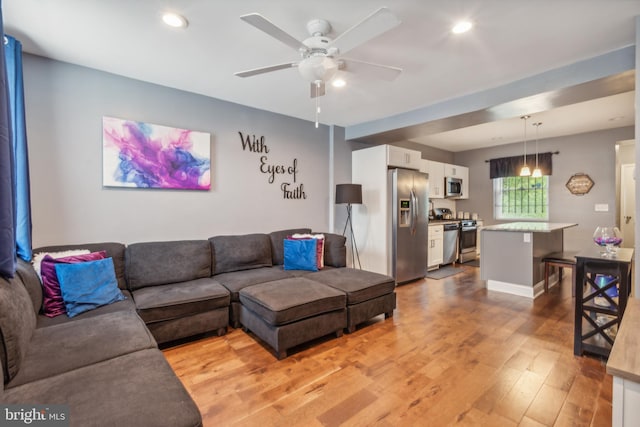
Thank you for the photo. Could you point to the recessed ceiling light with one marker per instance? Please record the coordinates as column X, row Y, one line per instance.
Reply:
column 174, row 20
column 338, row 83
column 461, row 27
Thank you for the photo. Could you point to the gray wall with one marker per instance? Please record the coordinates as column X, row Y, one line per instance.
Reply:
column 591, row 153
column 65, row 105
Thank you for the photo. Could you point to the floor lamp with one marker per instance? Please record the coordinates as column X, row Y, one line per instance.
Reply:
column 350, row 194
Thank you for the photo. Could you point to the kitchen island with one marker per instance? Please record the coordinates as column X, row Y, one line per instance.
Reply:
column 512, row 253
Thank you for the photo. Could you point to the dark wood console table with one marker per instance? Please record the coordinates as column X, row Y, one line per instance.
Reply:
column 598, row 314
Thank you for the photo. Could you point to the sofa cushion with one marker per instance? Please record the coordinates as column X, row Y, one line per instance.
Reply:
column 277, row 242
column 31, row 281
column 52, row 302
column 57, row 349
column 137, row 389
column 159, row 263
column 114, row 250
column 166, row 302
column 301, row 254
column 289, row 300
column 88, row 285
column 359, row 285
column 127, row 304
column 237, row 280
column 235, row 253
column 17, row 323
column 335, row 251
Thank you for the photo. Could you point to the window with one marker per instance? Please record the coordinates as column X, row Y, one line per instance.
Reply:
column 521, row 197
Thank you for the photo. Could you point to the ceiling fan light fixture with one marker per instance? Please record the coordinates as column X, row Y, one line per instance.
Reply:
column 175, row 20
column 317, row 68
column 461, row 27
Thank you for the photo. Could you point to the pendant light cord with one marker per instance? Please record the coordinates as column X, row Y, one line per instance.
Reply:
column 537, row 124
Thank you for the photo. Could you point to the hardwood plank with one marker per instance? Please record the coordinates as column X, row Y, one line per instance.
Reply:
column 515, row 403
column 453, row 354
column 546, row 405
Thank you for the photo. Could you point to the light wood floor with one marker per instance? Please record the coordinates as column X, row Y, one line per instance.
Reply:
column 453, row 354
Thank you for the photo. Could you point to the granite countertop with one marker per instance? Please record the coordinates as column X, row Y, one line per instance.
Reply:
column 530, row 227
column 624, row 360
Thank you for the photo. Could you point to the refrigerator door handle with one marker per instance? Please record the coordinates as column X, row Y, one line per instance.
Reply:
column 414, row 212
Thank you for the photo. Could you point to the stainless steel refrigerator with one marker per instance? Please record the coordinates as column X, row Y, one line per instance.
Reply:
column 409, row 199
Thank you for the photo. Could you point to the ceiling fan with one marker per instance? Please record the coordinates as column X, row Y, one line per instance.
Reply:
column 321, row 55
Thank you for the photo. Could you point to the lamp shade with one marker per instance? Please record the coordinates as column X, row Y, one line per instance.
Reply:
column 349, row 193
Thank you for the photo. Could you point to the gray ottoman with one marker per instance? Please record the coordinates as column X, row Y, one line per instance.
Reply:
column 288, row 312
column 368, row 294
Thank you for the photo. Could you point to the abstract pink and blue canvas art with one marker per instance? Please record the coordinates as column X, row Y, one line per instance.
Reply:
column 144, row 155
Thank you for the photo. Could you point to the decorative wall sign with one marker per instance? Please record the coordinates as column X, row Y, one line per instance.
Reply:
column 290, row 187
column 144, row 155
column 580, row 184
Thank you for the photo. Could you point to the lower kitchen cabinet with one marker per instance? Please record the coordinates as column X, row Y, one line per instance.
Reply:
column 435, row 246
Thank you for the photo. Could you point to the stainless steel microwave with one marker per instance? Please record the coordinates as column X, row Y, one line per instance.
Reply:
column 452, row 187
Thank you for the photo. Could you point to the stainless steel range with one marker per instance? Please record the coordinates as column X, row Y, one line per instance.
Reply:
column 468, row 240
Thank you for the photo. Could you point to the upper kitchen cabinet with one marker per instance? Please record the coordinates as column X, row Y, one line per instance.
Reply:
column 436, row 178
column 461, row 172
column 403, row 158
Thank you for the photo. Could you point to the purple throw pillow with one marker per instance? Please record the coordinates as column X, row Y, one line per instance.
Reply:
column 53, row 304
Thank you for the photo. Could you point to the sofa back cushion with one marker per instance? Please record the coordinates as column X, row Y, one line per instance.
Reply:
column 31, row 282
column 277, row 242
column 245, row 252
column 114, row 250
column 17, row 323
column 335, row 251
column 160, row 263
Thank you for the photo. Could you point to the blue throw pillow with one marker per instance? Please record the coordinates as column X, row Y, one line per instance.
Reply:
column 300, row 255
column 88, row 285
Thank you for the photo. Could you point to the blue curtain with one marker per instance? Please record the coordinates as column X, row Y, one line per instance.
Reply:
column 7, row 174
column 15, row 210
column 13, row 56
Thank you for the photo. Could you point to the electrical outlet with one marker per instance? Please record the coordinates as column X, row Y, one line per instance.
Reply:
column 526, row 237
column 602, row 207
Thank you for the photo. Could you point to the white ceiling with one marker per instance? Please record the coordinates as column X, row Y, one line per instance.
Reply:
column 510, row 40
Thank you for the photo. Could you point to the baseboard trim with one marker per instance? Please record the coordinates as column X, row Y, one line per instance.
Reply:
column 531, row 292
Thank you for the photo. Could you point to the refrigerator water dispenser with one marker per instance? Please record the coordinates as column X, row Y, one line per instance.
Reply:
column 405, row 213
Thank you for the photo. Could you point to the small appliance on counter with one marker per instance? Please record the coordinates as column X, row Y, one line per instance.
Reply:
column 442, row 213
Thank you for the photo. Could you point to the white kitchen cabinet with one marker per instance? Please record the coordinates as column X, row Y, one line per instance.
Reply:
column 403, row 158
column 461, row 172
column 435, row 249
column 436, row 179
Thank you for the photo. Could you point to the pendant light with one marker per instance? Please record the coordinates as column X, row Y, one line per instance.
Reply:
column 537, row 173
column 525, row 169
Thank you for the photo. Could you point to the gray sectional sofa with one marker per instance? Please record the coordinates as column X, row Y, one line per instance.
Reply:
column 174, row 290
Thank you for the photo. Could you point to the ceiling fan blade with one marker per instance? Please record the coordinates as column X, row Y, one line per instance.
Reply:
column 263, row 24
column 378, row 22
column 262, row 70
column 369, row 69
column 317, row 89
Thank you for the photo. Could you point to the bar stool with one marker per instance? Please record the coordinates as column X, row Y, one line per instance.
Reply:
column 560, row 260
